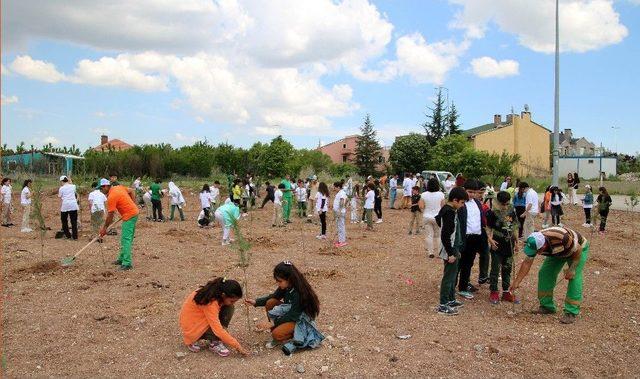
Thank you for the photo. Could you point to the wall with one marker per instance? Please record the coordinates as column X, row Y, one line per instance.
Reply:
column 587, row 167
column 337, row 152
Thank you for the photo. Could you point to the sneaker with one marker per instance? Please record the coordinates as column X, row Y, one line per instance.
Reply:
column 219, row 348
column 494, row 297
column 568, row 318
column 273, row 225
column 125, row 268
column 544, row 226
column 444, row 309
column 379, row 221
column 341, row 244
column 117, row 263
column 194, row 348
column 410, row 232
column 271, row 344
column 482, row 281
column 509, row 297
column 226, row 243
column 586, row 225
column 465, row 294
column 455, row 304
column 560, row 224
column 543, row 311
column 471, row 288
column 26, row 230
column 319, row 236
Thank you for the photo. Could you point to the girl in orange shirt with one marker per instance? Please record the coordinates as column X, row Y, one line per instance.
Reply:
column 207, row 312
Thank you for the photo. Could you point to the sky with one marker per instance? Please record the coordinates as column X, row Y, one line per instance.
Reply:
column 242, row 71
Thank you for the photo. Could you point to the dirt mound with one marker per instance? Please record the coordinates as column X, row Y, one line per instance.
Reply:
column 173, row 232
column 39, row 268
column 630, row 288
column 262, row 241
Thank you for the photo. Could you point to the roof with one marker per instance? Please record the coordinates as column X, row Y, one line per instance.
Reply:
column 488, row 127
column 62, row 155
column 114, row 144
column 340, row 140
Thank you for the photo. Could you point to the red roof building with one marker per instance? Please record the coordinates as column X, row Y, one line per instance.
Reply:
column 114, row 144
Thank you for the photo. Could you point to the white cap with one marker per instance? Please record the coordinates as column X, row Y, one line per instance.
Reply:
column 63, row 177
column 104, row 182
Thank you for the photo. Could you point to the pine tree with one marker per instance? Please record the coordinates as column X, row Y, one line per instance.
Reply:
column 367, row 148
column 435, row 127
column 452, row 120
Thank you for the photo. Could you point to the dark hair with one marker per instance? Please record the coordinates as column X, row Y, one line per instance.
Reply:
column 548, row 189
column 267, row 183
column 205, row 188
column 158, row 180
column 337, row 185
column 503, row 197
column 281, row 186
column 216, row 182
column 93, row 184
column 376, row 182
column 323, row 189
column 5, row 180
column 481, row 184
column 371, row 186
column 308, row 298
column 415, row 188
column 65, row 180
column 356, row 188
column 604, row 190
column 523, row 185
column 458, row 193
column 27, row 182
column 433, row 185
column 472, row 184
column 214, row 290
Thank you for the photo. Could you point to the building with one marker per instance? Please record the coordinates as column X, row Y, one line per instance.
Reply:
column 518, row 134
column 114, row 144
column 588, row 167
column 344, row 151
column 573, row 147
column 40, row 162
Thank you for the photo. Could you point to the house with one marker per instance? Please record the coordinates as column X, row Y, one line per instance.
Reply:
column 518, row 134
column 344, row 151
column 588, row 167
column 573, row 147
column 114, row 144
column 40, row 162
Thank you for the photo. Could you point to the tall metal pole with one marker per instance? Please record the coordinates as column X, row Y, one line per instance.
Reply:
column 556, row 116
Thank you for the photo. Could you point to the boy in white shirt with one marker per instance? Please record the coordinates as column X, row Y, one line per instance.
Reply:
column 340, row 212
column 68, row 208
column 277, row 207
column 205, row 205
column 301, row 197
column 97, row 201
column 6, row 202
column 25, row 201
column 407, row 185
column 532, row 209
column 369, row 199
column 215, row 196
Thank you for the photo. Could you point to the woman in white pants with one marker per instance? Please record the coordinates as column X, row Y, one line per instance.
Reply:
column 227, row 215
column 431, row 201
column 355, row 200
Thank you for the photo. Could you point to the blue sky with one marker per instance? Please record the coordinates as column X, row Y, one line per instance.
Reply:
column 245, row 71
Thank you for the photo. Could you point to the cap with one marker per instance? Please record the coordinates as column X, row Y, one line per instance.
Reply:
column 63, row 177
column 534, row 243
column 104, row 182
column 587, row 186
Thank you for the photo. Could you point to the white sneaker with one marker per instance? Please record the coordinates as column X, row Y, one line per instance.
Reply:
column 560, row 225
column 379, row 221
column 319, row 236
column 225, row 243
column 545, row 226
column 26, row 230
column 271, row 344
column 586, row 225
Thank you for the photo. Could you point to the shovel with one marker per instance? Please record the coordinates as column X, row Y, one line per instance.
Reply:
column 68, row 261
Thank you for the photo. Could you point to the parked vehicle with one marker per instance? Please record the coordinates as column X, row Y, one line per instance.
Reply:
column 440, row 175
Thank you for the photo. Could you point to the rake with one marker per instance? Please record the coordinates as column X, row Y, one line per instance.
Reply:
column 68, row 261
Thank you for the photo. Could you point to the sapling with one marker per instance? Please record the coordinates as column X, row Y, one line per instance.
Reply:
column 37, row 214
column 244, row 259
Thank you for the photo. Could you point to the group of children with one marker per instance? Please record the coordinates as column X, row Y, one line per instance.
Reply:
column 551, row 206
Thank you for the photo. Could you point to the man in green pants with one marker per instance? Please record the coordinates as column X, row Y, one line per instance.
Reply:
column 560, row 246
column 121, row 199
column 287, row 199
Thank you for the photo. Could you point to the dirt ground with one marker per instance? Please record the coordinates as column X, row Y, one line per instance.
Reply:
column 90, row 320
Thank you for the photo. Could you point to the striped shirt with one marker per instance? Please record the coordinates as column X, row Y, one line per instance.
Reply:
column 561, row 242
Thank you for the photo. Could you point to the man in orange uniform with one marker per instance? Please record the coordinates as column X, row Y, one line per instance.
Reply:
column 121, row 198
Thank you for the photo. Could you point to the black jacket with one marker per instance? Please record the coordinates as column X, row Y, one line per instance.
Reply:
column 462, row 218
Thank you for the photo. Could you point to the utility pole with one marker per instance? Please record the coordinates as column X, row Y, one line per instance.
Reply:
column 615, row 137
column 556, row 115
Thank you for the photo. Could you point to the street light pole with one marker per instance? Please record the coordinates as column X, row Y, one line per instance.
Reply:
column 556, row 116
column 615, row 137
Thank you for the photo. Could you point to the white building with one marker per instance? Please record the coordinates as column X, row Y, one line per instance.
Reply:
column 588, row 167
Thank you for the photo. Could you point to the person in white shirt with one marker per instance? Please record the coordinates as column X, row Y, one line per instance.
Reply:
column 176, row 200
column 301, row 198
column 471, row 216
column 407, row 184
column 431, row 202
column 393, row 190
column 340, row 212
column 277, row 206
column 355, row 201
column 449, row 183
column 322, row 206
column 369, row 202
column 97, row 206
column 348, row 186
column 137, row 188
column 532, row 209
column 313, row 191
column 6, row 202
column 146, row 198
column 215, row 196
column 68, row 208
column 506, row 184
column 25, row 201
column 205, row 205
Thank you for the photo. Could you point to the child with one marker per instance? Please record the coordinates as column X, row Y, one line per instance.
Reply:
column 246, row 196
column 301, row 197
column 227, row 215
column 146, row 198
column 215, row 196
column 277, row 207
column 156, row 200
column 452, row 245
column 236, row 192
column 313, row 191
column 520, row 204
column 415, row 210
column 6, row 202
column 556, row 206
column 207, row 312
column 355, row 199
column 322, row 206
column 377, row 203
column 293, row 299
column 340, row 213
column 97, row 202
column 546, row 207
column 501, row 231
column 369, row 200
column 270, row 194
column 176, row 200
column 587, row 204
column 604, row 203
column 25, row 201
column 205, row 205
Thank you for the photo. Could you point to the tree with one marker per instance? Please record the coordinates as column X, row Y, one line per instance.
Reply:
column 452, row 120
column 501, row 165
column 276, row 157
column 409, row 153
column 367, row 148
column 435, row 127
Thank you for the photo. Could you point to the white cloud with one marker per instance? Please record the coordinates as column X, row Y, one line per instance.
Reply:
column 36, row 69
column 116, row 72
column 487, row 67
column 182, row 138
column 584, row 24
column 51, row 140
column 6, row 100
column 100, row 131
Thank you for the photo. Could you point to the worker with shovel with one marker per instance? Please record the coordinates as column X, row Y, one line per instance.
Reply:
column 560, row 246
column 122, row 199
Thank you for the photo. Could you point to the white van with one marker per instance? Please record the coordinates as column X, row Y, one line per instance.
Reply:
column 440, row 175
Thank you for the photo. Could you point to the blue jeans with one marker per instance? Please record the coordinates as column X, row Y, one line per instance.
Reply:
column 392, row 197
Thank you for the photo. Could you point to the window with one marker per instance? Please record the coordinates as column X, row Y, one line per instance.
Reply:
column 344, row 159
column 344, row 145
column 590, row 161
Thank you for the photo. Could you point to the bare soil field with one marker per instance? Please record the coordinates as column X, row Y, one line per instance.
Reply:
column 90, row 320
